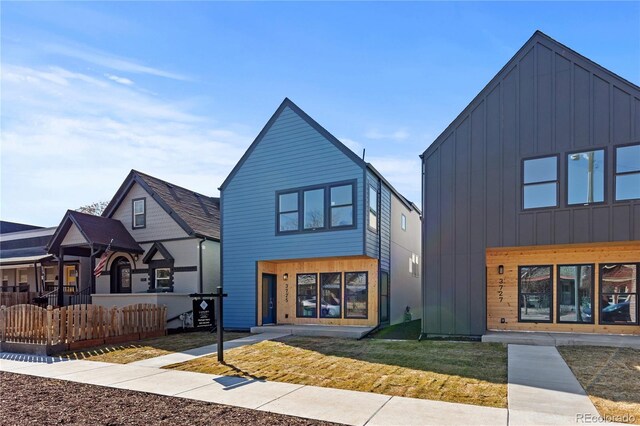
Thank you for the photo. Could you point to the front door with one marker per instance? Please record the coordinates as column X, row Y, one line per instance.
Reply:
column 122, row 280
column 268, row 299
column 384, row 298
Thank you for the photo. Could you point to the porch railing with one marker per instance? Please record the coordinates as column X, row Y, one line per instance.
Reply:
column 16, row 298
column 82, row 297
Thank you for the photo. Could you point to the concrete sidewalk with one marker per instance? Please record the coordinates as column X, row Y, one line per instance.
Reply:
column 341, row 406
column 188, row 355
column 562, row 339
column 542, row 390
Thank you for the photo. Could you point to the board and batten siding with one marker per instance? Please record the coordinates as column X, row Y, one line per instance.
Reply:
column 371, row 237
column 547, row 100
column 291, row 154
column 385, row 228
column 159, row 224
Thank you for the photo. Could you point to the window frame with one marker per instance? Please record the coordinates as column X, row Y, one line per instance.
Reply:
column 551, row 305
column 616, row 174
column 636, row 293
column 604, row 176
column 593, row 293
column 279, row 213
column 523, row 184
column 319, row 301
column 345, row 314
column 317, row 294
column 375, row 229
column 327, row 208
column 403, row 222
column 134, row 214
column 155, row 278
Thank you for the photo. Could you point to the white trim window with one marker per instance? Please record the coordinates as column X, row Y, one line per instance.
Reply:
column 139, row 213
column 163, row 278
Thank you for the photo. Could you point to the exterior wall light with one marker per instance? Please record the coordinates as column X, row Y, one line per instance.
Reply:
column 285, row 276
column 501, row 269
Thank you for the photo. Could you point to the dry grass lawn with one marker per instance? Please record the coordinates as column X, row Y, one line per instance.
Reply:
column 149, row 348
column 610, row 376
column 470, row 373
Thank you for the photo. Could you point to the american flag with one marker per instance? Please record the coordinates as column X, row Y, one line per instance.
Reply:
column 101, row 263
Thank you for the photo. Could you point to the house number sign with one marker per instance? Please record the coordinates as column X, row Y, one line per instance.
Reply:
column 286, row 292
column 501, row 289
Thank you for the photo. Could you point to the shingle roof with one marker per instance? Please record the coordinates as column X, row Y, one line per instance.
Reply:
column 8, row 227
column 98, row 230
column 197, row 214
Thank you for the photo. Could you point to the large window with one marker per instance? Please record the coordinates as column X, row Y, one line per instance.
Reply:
column 619, row 293
column 288, row 212
column 356, row 294
column 307, row 209
column 307, row 296
column 373, row 208
column 330, row 295
column 585, row 177
column 575, row 293
column 540, row 182
column 139, row 212
column 341, row 210
column 627, row 172
column 314, row 209
column 535, row 293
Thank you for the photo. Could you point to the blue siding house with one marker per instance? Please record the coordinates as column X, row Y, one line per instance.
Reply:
column 306, row 231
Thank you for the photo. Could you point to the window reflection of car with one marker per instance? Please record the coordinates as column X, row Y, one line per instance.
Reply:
column 327, row 310
column 618, row 312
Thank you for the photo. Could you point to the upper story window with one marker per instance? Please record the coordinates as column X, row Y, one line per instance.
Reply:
column 341, row 211
column 585, row 177
column 316, row 208
column 403, row 222
column 627, row 172
column 373, row 208
column 139, row 212
column 540, row 182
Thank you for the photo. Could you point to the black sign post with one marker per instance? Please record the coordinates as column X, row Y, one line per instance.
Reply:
column 201, row 316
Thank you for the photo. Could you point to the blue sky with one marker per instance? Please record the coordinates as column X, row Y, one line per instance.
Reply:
column 179, row 90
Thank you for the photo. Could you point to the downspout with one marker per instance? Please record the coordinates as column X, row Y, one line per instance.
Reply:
column 200, row 275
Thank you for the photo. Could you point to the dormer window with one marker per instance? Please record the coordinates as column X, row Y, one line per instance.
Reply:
column 139, row 210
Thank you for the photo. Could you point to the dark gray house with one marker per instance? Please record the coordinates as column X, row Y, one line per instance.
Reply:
column 532, row 202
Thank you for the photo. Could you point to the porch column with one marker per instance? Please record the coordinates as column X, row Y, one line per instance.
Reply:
column 35, row 270
column 92, row 260
column 61, row 277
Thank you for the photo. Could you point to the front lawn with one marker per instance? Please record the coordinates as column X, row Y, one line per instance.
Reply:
column 409, row 330
column 466, row 372
column 149, row 348
column 610, row 376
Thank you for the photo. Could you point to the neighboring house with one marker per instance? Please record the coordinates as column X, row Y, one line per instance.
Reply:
column 163, row 240
column 312, row 234
column 26, row 266
column 531, row 215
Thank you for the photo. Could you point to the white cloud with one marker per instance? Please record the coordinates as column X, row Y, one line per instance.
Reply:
column 107, row 60
column 68, row 139
column 354, row 146
column 397, row 135
column 117, row 79
column 404, row 173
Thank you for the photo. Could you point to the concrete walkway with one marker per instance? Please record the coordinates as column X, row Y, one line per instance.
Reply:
column 562, row 339
column 542, row 390
column 317, row 330
column 341, row 406
column 188, row 355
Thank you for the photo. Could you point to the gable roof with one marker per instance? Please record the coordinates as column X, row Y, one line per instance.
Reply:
column 538, row 36
column 97, row 230
column 9, row 227
column 324, row 132
column 295, row 108
column 197, row 214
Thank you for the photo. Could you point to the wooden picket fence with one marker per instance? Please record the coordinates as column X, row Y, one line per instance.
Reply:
column 67, row 325
column 11, row 298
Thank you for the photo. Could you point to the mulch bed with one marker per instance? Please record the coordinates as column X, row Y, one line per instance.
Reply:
column 36, row 400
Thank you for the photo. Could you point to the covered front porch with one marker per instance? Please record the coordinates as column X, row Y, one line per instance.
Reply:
column 87, row 236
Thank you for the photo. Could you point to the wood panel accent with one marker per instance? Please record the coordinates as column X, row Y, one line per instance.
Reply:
column 566, row 254
column 286, row 290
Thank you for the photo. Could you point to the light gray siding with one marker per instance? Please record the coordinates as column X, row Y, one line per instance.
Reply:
column 159, row 226
column 547, row 100
column 405, row 288
column 291, row 154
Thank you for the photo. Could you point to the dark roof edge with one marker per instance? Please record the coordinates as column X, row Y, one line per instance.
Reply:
column 537, row 34
column 404, row 200
column 324, row 132
column 135, row 176
column 56, row 234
